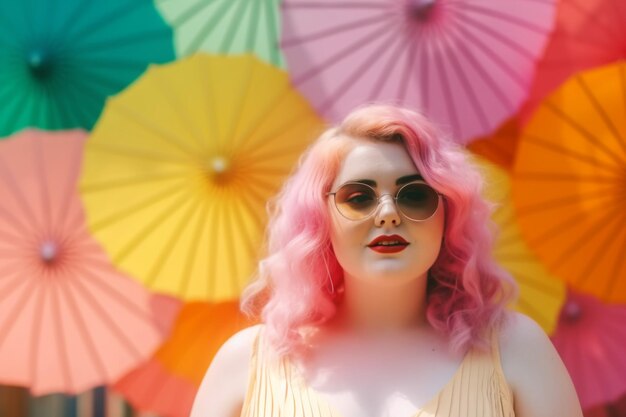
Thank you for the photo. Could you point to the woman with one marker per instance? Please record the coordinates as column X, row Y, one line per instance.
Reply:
column 379, row 296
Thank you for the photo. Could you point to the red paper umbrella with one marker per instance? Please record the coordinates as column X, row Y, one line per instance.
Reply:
column 590, row 338
column 68, row 320
column 587, row 34
column 468, row 64
column 168, row 382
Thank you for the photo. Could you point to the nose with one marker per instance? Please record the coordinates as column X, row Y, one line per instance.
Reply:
column 387, row 212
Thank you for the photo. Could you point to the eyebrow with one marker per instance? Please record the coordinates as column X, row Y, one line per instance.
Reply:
column 400, row 181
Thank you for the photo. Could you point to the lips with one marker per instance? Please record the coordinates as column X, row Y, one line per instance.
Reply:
column 388, row 244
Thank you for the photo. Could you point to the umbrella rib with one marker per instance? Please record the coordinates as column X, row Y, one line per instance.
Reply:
column 70, row 191
column 602, row 113
column 87, row 91
column 21, row 200
column 40, row 161
column 335, row 30
column 102, row 21
column 230, row 33
column 619, row 262
column 538, row 284
column 561, row 151
column 86, row 336
column 166, row 251
column 193, row 11
column 63, row 350
column 467, row 86
column 266, row 114
column 208, row 27
column 104, row 284
column 338, row 56
column 271, row 12
column 580, row 129
column 127, row 182
column 190, row 260
column 16, row 222
column 212, row 257
column 495, row 87
column 125, row 39
column 102, row 312
column 228, row 226
column 254, row 26
column 142, row 234
column 507, row 17
column 170, row 98
column 77, row 111
column 401, row 47
column 358, row 73
column 148, row 125
column 143, row 154
column 39, row 293
column 60, row 104
column 577, row 245
column 316, row 5
column 247, row 235
column 557, row 176
column 451, row 108
column 242, row 95
column 498, row 60
column 554, row 231
column 560, row 202
column 162, row 195
column 486, row 30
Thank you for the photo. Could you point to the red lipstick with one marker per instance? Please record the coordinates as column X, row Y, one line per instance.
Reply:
column 388, row 244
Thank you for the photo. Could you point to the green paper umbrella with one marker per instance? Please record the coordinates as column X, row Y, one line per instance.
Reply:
column 60, row 60
column 225, row 27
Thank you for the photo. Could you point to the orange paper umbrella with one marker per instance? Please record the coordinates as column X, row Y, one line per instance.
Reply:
column 587, row 34
column 68, row 320
column 569, row 182
column 590, row 338
column 167, row 384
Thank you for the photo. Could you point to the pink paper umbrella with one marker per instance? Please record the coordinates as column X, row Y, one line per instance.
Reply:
column 68, row 320
column 590, row 338
column 468, row 64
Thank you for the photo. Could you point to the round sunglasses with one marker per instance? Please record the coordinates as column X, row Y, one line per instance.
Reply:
column 416, row 201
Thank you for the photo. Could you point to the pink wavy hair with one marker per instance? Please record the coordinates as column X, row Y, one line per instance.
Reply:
column 293, row 289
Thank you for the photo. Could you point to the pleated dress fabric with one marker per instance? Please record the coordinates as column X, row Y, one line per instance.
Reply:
column 477, row 389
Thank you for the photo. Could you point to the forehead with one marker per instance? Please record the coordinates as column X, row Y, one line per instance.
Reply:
column 378, row 161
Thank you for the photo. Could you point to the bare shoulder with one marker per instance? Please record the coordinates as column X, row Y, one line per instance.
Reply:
column 223, row 388
column 534, row 370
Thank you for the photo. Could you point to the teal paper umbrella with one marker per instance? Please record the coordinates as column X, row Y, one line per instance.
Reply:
column 59, row 60
column 225, row 27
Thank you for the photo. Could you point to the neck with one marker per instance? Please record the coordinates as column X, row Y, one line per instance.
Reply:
column 382, row 305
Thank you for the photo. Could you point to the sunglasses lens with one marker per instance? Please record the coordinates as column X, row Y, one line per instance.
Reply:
column 355, row 201
column 417, row 201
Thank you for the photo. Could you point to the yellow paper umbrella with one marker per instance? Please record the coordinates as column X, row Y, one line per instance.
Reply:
column 569, row 183
column 541, row 294
column 180, row 166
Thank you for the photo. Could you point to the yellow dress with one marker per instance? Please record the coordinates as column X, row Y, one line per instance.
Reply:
column 477, row 389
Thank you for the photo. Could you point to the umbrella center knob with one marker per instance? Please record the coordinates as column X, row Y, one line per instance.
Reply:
column 572, row 311
column 48, row 251
column 421, row 9
column 219, row 165
column 38, row 63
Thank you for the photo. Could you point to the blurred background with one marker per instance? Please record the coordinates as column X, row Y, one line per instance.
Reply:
column 141, row 140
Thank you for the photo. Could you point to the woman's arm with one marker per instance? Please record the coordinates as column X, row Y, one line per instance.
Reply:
column 223, row 388
column 541, row 385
